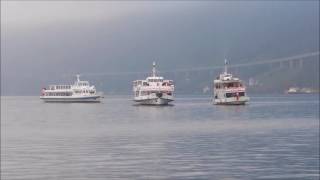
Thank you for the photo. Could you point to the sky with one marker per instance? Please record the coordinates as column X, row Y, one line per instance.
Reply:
column 46, row 42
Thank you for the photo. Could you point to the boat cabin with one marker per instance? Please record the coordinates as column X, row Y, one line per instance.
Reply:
column 82, row 83
column 224, row 85
column 59, row 87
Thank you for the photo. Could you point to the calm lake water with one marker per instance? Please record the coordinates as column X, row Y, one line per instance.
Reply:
column 274, row 137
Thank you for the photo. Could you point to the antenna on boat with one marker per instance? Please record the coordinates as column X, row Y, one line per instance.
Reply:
column 78, row 77
column 225, row 66
column 154, row 69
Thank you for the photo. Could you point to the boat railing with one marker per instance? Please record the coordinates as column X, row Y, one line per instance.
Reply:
column 157, row 88
column 234, row 89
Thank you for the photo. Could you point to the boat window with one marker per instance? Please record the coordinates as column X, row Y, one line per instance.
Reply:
column 235, row 94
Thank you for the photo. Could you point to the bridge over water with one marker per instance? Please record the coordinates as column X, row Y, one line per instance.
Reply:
column 296, row 61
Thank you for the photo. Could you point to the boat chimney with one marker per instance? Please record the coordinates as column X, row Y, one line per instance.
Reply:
column 154, row 69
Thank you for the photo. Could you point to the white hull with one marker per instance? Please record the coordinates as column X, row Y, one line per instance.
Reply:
column 231, row 101
column 71, row 98
column 153, row 101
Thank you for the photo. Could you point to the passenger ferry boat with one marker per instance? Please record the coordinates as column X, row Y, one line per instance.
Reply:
column 229, row 90
column 80, row 91
column 154, row 90
column 293, row 90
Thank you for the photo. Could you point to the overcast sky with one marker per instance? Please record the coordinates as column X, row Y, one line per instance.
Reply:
column 41, row 41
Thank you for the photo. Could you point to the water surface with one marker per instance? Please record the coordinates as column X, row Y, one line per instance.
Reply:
column 274, row 137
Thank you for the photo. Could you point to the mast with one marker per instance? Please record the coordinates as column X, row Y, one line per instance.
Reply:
column 78, row 77
column 225, row 66
column 154, row 69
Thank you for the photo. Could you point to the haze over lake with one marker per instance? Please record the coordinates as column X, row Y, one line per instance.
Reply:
column 49, row 42
column 272, row 46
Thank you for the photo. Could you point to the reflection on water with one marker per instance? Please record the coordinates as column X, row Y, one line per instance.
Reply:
column 271, row 138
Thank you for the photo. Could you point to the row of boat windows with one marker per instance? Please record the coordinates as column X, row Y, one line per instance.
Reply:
column 84, row 91
column 228, row 85
column 60, row 87
column 159, row 81
column 147, row 84
column 155, row 80
column 58, row 94
column 229, row 95
column 68, row 93
column 83, row 84
column 145, row 93
column 235, row 94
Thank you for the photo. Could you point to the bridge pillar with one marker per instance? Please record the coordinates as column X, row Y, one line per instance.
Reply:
column 281, row 65
column 300, row 63
column 291, row 64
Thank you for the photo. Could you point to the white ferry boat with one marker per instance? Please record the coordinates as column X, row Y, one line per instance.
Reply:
column 154, row 90
column 296, row 90
column 80, row 91
column 229, row 90
column 293, row 90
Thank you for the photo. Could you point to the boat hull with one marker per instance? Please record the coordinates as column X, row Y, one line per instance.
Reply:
column 154, row 101
column 231, row 101
column 93, row 99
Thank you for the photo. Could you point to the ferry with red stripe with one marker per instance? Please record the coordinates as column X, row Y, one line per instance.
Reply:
column 229, row 90
column 154, row 90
